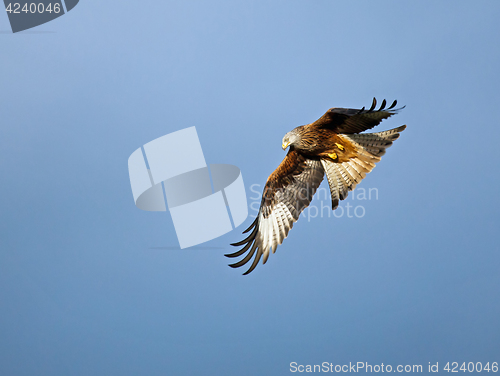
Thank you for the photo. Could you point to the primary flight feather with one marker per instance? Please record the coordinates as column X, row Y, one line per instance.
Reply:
column 332, row 145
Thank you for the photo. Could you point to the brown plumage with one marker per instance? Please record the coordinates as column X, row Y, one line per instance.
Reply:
column 331, row 145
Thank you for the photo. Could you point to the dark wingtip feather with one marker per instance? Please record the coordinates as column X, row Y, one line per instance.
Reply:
column 252, row 225
column 374, row 103
column 241, row 251
column 250, row 241
column 247, row 257
column 246, row 240
column 255, row 262
column 382, row 106
column 249, row 237
column 335, row 204
column 393, row 105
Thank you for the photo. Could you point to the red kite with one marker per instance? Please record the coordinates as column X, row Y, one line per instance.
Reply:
column 332, row 145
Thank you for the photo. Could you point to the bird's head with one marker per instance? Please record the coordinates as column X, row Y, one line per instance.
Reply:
column 290, row 139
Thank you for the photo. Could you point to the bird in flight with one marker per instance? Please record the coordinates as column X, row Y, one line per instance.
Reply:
column 332, row 145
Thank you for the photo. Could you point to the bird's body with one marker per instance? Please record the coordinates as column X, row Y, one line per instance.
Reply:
column 313, row 142
column 331, row 145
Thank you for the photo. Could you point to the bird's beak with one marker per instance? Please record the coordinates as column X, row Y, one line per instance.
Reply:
column 285, row 145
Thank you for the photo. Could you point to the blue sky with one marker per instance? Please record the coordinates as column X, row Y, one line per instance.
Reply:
column 89, row 284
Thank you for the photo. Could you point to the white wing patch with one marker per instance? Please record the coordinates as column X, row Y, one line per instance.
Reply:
column 269, row 231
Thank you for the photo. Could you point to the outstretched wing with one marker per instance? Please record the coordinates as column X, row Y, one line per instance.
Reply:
column 288, row 191
column 348, row 120
column 369, row 148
